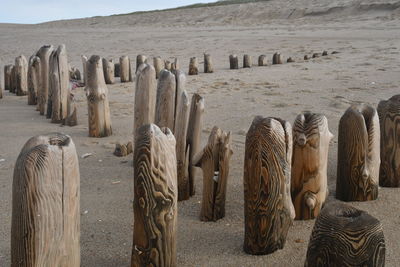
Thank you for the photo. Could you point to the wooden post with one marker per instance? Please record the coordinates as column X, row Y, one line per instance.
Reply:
column 155, row 198
column 167, row 65
column 13, row 79
column 124, row 71
column 268, row 209
column 97, row 97
column 214, row 160
column 45, row 229
column 358, row 154
column 165, row 105
column 116, row 70
column 157, row 62
column 8, row 77
column 75, row 74
column 324, row 53
column 34, row 80
column 44, row 55
column 140, row 59
column 309, row 183
column 247, row 61
column 208, row 65
column 262, row 60
column 233, row 62
column 108, row 69
column 180, row 80
column 389, row 114
column 193, row 66
column 290, row 60
column 21, row 72
column 345, row 236
column 315, row 55
column 306, row 57
column 84, row 70
column 277, row 58
column 175, row 65
column 72, row 117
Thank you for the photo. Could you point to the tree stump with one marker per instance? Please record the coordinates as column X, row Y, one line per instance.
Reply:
column 84, row 70
column 108, row 69
column 193, row 66
column 167, row 65
column 116, row 70
column 21, row 72
column 277, row 58
column 45, row 228
column 140, row 59
column 8, row 77
column 124, row 71
column 214, row 160
column 358, row 154
column 290, row 60
column 43, row 93
column 157, row 63
column 247, row 61
column 165, row 104
column 155, row 198
column 233, row 62
column 97, row 97
column 208, row 65
column 268, row 208
column 345, row 236
column 262, row 60
column 389, row 113
column 309, row 182
column 34, row 80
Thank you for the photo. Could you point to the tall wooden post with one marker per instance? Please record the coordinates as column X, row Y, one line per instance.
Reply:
column 155, row 198
column 116, row 70
column 167, row 65
column 193, row 66
column 34, row 80
column 268, row 209
column 45, row 229
column 158, row 65
column 124, row 71
column 72, row 114
column 262, row 60
column 277, row 58
column 21, row 72
column 44, row 55
column 165, row 105
column 108, row 69
column 358, row 154
column 233, row 62
column 84, row 66
column 309, row 184
column 247, row 61
column 208, row 65
column 97, row 97
column 8, row 77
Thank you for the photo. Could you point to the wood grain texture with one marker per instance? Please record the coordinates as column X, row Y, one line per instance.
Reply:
column 277, row 58
column 247, row 61
column 233, row 62
column 124, row 68
column 8, row 77
column 108, row 70
column 43, row 94
column 165, row 106
column 214, row 161
column 208, row 65
column 345, row 236
column 155, row 198
column 21, row 74
column 309, row 182
column 358, row 154
column 84, row 71
column 97, row 97
column 45, row 227
column 158, row 65
column 262, row 60
column 74, row 74
column 268, row 207
column 389, row 120
column 193, row 66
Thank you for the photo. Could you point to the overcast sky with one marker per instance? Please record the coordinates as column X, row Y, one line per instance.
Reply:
column 35, row 11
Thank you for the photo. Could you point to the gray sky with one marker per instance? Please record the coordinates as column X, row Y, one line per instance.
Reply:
column 35, row 11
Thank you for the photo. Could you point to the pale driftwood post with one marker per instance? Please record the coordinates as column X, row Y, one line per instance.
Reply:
column 193, row 66
column 124, row 71
column 346, row 236
column 21, row 72
column 358, row 154
column 157, row 62
column 262, row 60
column 233, row 62
column 277, row 58
column 145, row 97
column 268, row 208
column 34, row 82
column 44, row 55
column 214, row 160
column 8, row 77
column 389, row 120
column 108, row 69
column 309, row 183
column 45, row 229
column 315, row 55
column 290, row 60
column 247, row 61
column 167, row 65
column 140, row 59
column 208, row 65
column 117, row 70
column 155, row 204
column 97, row 97
column 165, row 105
column 84, row 66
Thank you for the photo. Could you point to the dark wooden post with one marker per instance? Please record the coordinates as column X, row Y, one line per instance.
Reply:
column 124, row 71
column 233, row 62
column 108, row 69
column 277, row 58
column 262, row 60
column 165, row 104
column 247, row 61
column 45, row 229
column 21, row 72
column 193, row 66
column 43, row 94
column 324, row 53
column 8, row 77
column 208, row 65
column 140, row 59
column 290, row 60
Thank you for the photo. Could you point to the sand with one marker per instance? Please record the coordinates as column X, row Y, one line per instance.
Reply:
column 366, row 33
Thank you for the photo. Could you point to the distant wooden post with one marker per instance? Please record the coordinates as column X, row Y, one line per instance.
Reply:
column 43, row 93
column 324, row 53
column 262, row 60
column 155, row 198
column 233, row 62
column 34, row 80
column 277, row 58
column 157, row 62
column 358, row 154
column 306, row 57
column 167, row 65
column 193, row 66
column 21, row 72
column 8, row 77
column 13, row 80
column 345, row 236
column 165, row 105
column 124, row 64
column 389, row 114
column 315, row 55
column 84, row 66
column 214, row 160
column 268, row 208
column 175, row 65
column 45, row 229
column 208, row 65
column 108, row 69
column 247, row 61
column 140, row 59
column 180, row 80
column 74, row 74
column 116, row 69
column 309, row 183
column 290, row 60
column 97, row 97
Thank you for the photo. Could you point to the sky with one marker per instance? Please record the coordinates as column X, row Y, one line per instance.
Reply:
column 36, row 11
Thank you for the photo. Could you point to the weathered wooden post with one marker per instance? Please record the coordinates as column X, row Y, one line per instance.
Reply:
column 193, row 66
column 13, row 80
column 268, row 208
column 44, row 55
column 247, row 61
column 124, row 71
column 214, row 160
column 72, row 117
column 277, row 58
column 233, row 62
column 324, row 53
column 45, row 229
column 306, row 57
column 34, row 80
column 309, row 182
column 345, row 236
column 97, row 97
column 74, row 74
column 84, row 66
column 117, row 70
column 358, row 154
column 180, row 81
column 290, row 60
column 167, row 65
column 155, row 198
column 165, row 104
column 315, row 55
column 389, row 114
column 157, row 62
column 8, row 77
column 208, row 65
column 108, row 69
column 21, row 72
column 140, row 59
column 175, row 65
column 262, row 60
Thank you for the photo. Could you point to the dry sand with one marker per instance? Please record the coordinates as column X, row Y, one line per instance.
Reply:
column 367, row 69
